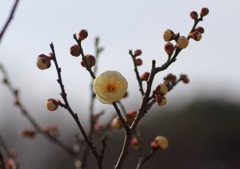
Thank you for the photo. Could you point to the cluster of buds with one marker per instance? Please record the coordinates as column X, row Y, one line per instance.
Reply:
column 27, row 133
column 52, row 104
column 75, row 50
column 160, row 142
column 196, row 34
column 137, row 53
column 170, row 80
column 169, row 35
column 51, row 130
column 159, row 93
column 43, row 61
column 203, row 12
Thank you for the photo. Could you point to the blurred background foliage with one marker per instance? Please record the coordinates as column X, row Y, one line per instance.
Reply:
column 205, row 134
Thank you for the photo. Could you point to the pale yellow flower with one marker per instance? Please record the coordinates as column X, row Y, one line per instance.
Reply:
column 110, row 86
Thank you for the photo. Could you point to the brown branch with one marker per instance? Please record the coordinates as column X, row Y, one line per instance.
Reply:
column 145, row 100
column 137, row 73
column 9, row 19
column 67, row 107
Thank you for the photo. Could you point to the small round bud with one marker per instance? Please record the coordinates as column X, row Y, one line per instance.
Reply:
column 197, row 36
column 43, row 62
column 204, row 12
column 160, row 100
column 137, row 142
column 83, row 34
column 162, row 142
column 169, row 48
column 184, row 78
column 138, row 62
column 194, row 15
column 182, row 42
column 90, row 59
column 199, row 29
column 52, row 104
column 137, row 52
column 27, row 133
column 145, row 76
column 161, row 89
column 116, row 123
column 154, row 145
column 168, row 35
column 75, row 50
column 170, row 77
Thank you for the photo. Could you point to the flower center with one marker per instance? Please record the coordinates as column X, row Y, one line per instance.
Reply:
column 111, row 88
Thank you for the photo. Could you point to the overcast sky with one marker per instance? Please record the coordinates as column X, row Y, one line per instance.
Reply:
column 212, row 64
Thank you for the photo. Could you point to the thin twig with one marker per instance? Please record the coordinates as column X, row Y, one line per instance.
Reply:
column 98, row 50
column 67, row 107
column 137, row 73
column 26, row 114
column 9, row 19
column 144, row 160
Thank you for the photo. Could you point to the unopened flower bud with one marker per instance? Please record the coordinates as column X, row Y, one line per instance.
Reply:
column 43, row 62
column 116, row 123
column 52, row 104
column 145, row 76
column 90, row 59
column 160, row 100
column 137, row 52
column 161, row 89
column 137, row 142
column 182, row 42
column 27, row 133
column 194, row 15
column 168, row 35
column 197, row 36
column 162, row 142
column 154, row 145
column 83, row 34
column 199, row 29
column 169, row 48
column 204, row 12
column 184, row 78
column 138, row 62
column 170, row 77
column 75, row 50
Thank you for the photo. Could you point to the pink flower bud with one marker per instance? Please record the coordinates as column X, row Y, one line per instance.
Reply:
column 83, row 34
column 194, row 15
column 169, row 48
column 138, row 62
column 204, row 12
column 75, row 50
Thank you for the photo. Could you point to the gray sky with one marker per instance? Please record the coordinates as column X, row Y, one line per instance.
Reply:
column 212, row 64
